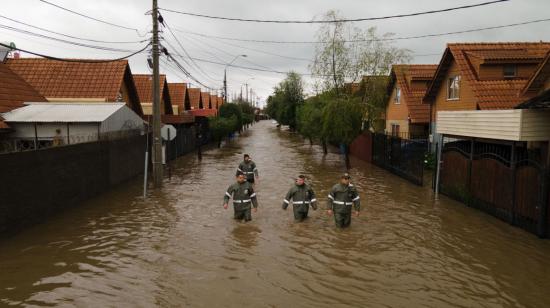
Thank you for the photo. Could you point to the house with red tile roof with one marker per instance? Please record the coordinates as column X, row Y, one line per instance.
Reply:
column 179, row 96
column 144, row 86
column 478, row 86
column 406, row 115
column 89, row 81
column 14, row 91
column 195, row 98
column 484, row 76
column 206, row 100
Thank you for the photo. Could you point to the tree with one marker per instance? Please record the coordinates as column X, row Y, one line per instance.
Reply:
column 287, row 96
column 221, row 127
column 232, row 110
column 334, row 59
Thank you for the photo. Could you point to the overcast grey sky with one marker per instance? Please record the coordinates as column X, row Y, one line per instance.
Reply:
column 131, row 13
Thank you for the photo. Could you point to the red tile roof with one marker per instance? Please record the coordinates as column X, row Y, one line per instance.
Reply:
column 14, row 91
column 177, row 94
column 495, row 94
column 88, row 80
column 59, row 79
column 418, row 112
column 195, row 98
column 144, row 86
column 206, row 102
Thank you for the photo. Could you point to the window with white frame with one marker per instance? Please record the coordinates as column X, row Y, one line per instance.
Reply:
column 397, row 96
column 453, row 88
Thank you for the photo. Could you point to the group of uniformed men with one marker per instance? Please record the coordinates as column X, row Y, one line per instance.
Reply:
column 341, row 198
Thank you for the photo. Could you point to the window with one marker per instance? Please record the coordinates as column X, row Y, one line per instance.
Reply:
column 453, row 88
column 395, row 130
column 397, row 96
column 510, row 71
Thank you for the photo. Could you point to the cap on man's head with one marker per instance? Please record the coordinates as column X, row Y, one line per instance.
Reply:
column 246, row 155
column 301, row 176
column 346, row 176
column 239, row 173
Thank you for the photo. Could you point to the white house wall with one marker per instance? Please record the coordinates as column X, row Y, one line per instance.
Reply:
column 512, row 125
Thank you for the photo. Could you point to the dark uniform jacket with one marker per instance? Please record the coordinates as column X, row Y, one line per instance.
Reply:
column 342, row 197
column 302, row 196
column 248, row 169
column 243, row 196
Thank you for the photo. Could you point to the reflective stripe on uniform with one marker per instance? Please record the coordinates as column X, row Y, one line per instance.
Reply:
column 239, row 169
column 253, row 195
column 357, row 198
column 242, row 201
column 331, row 197
column 286, row 201
column 342, row 203
column 300, row 202
column 228, row 194
column 313, row 200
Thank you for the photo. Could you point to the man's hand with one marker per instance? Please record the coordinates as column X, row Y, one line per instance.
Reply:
column 225, row 206
column 356, row 213
column 329, row 212
column 254, row 209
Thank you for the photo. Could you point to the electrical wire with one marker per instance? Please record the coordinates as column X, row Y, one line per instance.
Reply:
column 75, row 60
column 70, row 36
column 336, row 20
column 367, row 40
column 91, row 18
column 62, row 40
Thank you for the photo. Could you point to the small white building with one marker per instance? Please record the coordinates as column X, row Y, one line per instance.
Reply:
column 40, row 125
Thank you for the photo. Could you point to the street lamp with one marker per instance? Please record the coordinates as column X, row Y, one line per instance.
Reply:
column 225, row 76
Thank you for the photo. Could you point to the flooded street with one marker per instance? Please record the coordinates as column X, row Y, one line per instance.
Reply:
column 180, row 248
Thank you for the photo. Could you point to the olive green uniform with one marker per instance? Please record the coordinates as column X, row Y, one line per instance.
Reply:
column 301, row 196
column 340, row 200
column 249, row 170
column 243, row 198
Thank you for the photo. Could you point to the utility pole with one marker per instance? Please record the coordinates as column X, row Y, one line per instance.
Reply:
column 157, row 142
column 225, row 86
column 246, row 85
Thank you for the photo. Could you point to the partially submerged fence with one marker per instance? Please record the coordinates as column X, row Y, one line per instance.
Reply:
column 403, row 157
column 508, row 181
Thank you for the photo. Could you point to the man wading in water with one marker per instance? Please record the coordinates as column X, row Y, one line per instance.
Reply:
column 340, row 199
column 244, row 198
column 301, row 196
column 248, row 168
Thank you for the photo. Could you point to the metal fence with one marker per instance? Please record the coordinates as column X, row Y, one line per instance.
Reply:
column 506, row 180
column 403, row 157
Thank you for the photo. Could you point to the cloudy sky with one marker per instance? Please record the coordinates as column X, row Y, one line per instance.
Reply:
column 265, row 56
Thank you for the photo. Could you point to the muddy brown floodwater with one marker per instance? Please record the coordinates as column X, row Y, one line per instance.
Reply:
column 180, row 248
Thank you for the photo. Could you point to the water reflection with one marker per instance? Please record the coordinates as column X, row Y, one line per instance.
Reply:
column 179, row 247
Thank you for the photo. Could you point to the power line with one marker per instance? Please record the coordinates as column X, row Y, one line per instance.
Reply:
column 91, row 18
column 70, row 36
column 247, row 48
column 336, row 20
column 76, row 60
column 185, row 51
column 62, row 40
column 383, row 39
